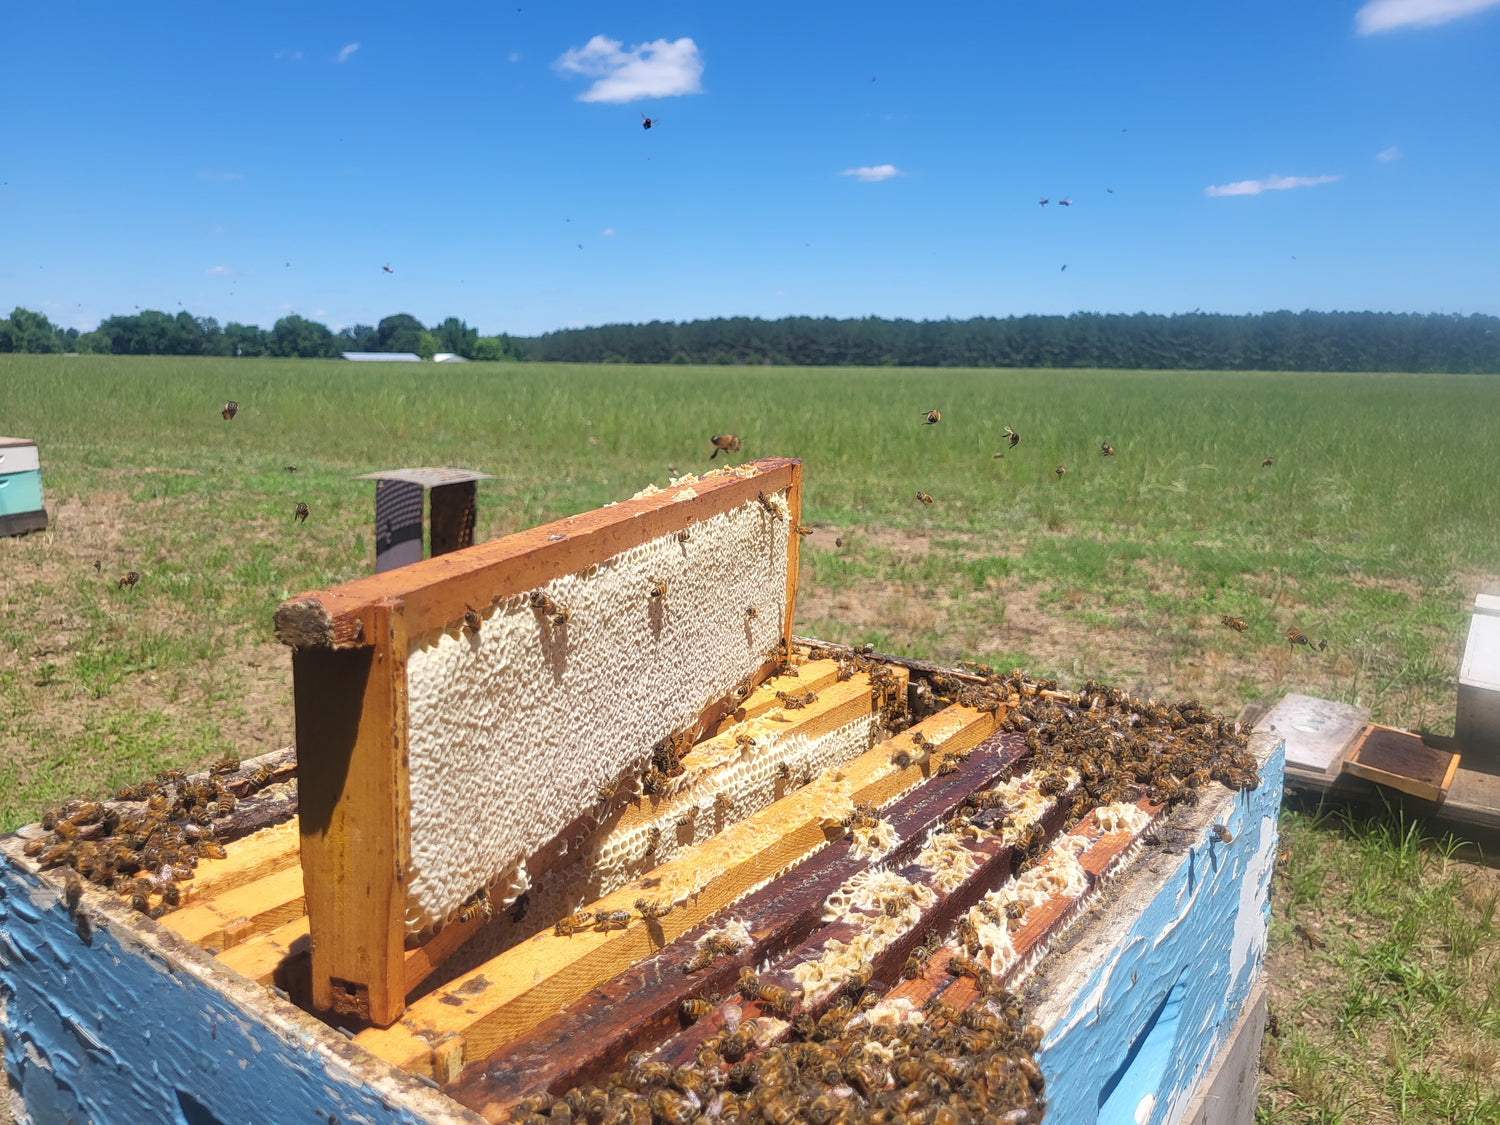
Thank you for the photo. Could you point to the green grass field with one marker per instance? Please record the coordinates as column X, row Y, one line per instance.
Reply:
column 1371, row 531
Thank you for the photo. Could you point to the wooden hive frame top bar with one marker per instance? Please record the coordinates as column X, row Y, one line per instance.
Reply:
column 381, row 688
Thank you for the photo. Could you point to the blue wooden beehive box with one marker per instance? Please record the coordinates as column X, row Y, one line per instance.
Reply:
column 21, row 507
column 280, row 981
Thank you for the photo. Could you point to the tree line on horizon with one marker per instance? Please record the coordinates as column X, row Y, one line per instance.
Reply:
column 1275, row 341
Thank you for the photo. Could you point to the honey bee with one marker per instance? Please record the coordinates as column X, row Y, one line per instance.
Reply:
column 1266, row 464
column 1060, row 470
column 672, row 1108
column 724, row 443
column 695, row 1009
column 538, row 599
column 738, row 1044
column 1052, row 784
column 72, row 892
column 749, row 983
column 838, row 541
column 1222, row 834
column 1106, row 450
column 567, row 927
column 535, row 1103
column 260, row 776
column 658, row 590
column 171, row 894
column 472, row 619
column 300, row 512
column 129, row 578
column 684, row 535
column 1312, row 939
column 290, row 468
column 224, row 805
column 924, row 498
column 225, row 765
column 209, row 849
column 1236, row 623
column 902, row 759
column 606, row 792
column 949, row 765
column 770, row 508
column 778, row 999
column 723, row 805
column 933, row 417
column 1015, row 910
column 751, row 612
column 960, row 965
column 1297, row 637
column 653, row 840
column 611, row 919
column 802, row 529
column 231, row 408
column 561, row 617
column 1015, row 438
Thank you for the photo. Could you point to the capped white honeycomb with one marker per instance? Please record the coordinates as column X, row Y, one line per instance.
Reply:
column 515, row 727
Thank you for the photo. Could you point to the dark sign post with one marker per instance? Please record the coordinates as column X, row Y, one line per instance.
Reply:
column 398, row 512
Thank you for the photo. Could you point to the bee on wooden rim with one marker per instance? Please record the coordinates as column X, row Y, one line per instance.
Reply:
column 231, row 408
column 649, row 909
column 1267, row 463
column 724, row 443
column 130, row 578
column 1015, row 438
column 260, row 776
column 924, row 498
column 1297, row 637
column 1236, row 623
column 684, row 535
column 932, row 417
column 300, row 512
column 778, row 999
column 611, row 919
column 472, row 619
column 225, row 765
column 567, row 927
column 1106, row 450
column 695, row 1009
column 749, row 982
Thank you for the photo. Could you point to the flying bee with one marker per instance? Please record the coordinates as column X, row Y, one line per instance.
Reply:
column 839, row 541
column 225, row 765
column 932, row 417
column 129, row 578
column 770, row 508
column 649, row 909
column 1236, row 623
column 1106, row 450
column 231, row 408
column 924, row 498
column 724, row 443
column 1015, row 438
column 695, row 1009
column 1323, row 645
column 1267, row 463
column 611, row 919
column 1312, row 939
column 1060, row 470
column 1222, row 834
column 290, row 468
column 802, row 529
column 1297, row 637
column 300, row 512
column 659, row 590
column 567, row 927
column 472, row 619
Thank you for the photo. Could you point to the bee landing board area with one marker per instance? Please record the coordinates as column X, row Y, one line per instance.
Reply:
column 583, row 833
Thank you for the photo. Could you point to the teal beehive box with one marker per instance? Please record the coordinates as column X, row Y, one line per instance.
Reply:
column 20, row 487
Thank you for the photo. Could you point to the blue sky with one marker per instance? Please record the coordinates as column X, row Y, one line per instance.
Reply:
column 256, row 159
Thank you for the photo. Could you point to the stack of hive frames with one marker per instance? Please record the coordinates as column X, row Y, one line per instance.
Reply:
column 1038, row 920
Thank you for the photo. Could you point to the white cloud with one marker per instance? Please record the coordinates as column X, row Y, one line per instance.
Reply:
column 1270, row 183
column 873, row 173
column 609, row 232
column 647, row 70
column 1391, row 15
column 514, row 56
column 224, row 177
column 348, row 49
column 1386, row 155
column 288, row 53
column 219, row 271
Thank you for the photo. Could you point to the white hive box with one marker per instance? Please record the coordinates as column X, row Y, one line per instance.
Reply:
column 1477, row 723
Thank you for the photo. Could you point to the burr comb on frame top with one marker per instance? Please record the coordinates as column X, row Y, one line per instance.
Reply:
column 460, row 712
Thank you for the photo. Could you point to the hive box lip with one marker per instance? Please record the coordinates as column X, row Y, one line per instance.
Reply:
column 1319, row 732
column 1481, row 663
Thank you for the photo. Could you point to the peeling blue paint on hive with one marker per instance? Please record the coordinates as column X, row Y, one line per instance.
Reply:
column 99, row 1028
column 1158, row 997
